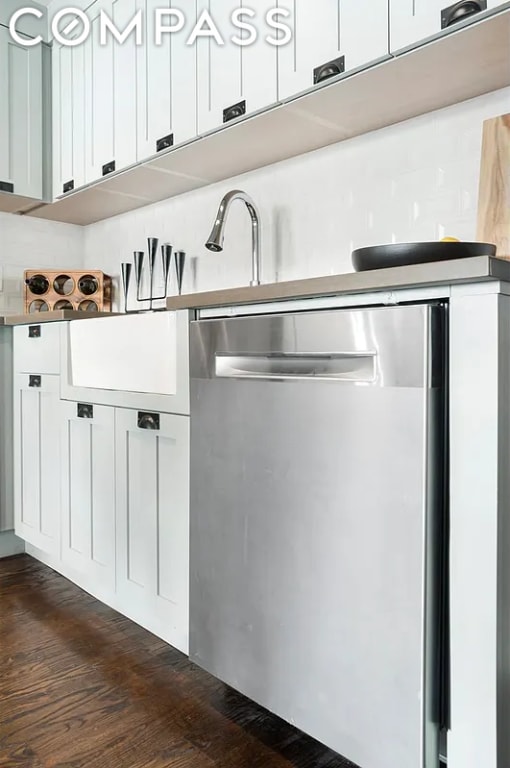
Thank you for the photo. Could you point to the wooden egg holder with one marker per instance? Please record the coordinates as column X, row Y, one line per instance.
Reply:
column 64, row 291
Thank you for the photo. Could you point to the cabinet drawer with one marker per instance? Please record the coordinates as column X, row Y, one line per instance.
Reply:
column 37, row 348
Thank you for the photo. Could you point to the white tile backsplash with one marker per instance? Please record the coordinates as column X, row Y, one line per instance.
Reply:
column 28, row 243
column 417, row 180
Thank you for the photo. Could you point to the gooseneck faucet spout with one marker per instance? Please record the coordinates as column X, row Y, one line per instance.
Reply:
column 215, row 240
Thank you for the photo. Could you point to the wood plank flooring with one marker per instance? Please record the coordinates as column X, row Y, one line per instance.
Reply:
column 83, row 687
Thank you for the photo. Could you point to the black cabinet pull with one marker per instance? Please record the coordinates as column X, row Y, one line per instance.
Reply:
column 460, row 11
column 165, row 142
column 109, row 168
column 6, row 186
column 34, row 381
column 148, row 421
column 236, row 110
column 85, row 411
column 330, row 69
column 68, row 186
column 34, row 331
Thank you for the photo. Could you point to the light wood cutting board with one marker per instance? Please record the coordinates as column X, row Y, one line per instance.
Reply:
column 494, row 190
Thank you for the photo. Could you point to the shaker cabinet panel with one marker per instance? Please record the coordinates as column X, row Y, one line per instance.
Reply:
column 231, row 74
column 412, row 21
column 125, row 86
column 21, row 119
column 69, row 118
column 329, row 38
column 166, row 83
column 88, row 492
column 37, row 460
column 100, row 112
column 152, row 520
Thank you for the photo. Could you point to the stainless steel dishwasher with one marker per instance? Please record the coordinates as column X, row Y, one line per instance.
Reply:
column 316, row 522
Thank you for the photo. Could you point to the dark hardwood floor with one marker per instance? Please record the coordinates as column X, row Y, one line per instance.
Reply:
column 83, row 687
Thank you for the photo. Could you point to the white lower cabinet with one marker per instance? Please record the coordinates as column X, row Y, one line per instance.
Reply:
column 102, row 492
column 88, row 493
column 412, row 21
column 152, row 520
column 37, row 460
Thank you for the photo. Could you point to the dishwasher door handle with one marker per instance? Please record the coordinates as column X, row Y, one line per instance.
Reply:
column 341, row 366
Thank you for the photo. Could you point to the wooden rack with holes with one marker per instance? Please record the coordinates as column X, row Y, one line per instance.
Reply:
column 84, row 291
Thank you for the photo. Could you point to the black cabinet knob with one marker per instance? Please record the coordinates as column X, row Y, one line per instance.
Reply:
column 6, row 186
column 34, row 331
column 68, row 186
column 236, row 110
column 109, row 168
column 85, row 411
column 165, row 142
column 35, row 381
column 330, row 69
column 148, row 421
column 460, row 11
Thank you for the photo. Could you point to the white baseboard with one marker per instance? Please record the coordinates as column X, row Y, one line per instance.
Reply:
column 10, row 544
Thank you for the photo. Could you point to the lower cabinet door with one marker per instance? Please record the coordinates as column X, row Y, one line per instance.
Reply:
column 152, row 522
column 37, row 460
column 88, row 493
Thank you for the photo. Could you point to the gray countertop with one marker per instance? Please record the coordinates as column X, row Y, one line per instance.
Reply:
column 472, row 270
column 36, row 318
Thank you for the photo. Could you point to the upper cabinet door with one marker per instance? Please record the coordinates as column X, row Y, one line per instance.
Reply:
column 21, row 119
column 233, row 79
column 167, row 81
column 412, row 21
column 99, row 98
column 125, row 99
column 69, row 124
column 330, row 37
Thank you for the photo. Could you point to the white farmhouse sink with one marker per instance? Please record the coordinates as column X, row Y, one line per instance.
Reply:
column 130, row 353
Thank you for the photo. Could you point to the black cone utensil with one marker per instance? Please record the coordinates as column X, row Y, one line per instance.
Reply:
column 126, row 279
column 180, row 263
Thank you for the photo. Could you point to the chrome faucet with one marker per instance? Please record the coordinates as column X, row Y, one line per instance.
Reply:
column 215, row 241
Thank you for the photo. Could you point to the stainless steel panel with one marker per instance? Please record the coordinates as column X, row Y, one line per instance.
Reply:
column 394, row 337
column 312, row 565
column 349, row 366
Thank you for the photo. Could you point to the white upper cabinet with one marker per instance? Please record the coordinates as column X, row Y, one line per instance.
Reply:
column 69, row 124
column 99, row 98
column 166, row 80
column 412, row 21
column 21, row 118
column 330, row 37
column 234, row 80
column 125, row 100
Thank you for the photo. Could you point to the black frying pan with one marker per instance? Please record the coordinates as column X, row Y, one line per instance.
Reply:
column 400, row 254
